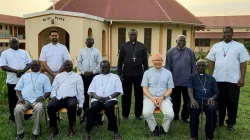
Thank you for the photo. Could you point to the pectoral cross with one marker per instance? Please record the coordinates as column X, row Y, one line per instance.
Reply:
column 134, row 58
column 225, row 54
column 205, row 90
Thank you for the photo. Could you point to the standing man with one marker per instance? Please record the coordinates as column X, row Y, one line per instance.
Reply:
column 31, row 90
column 53, row 55
column 15, row 62
column 157, row 86
column 180, row 61
column 132, row 63
column 228, row 64
column 88, row 63
column 67, row 90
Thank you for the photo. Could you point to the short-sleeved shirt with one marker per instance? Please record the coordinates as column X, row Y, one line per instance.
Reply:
column 157, row 81
column 16, row 59
column 227, row 69
column 54, row 55
column 105, row 85
column 89, row 59
column 33, row 85
column 200, row 92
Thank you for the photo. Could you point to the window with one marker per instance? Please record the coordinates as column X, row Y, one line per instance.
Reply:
column 6, row 44
column 184, row 32
column 1, row 27
column 6, row 27
column 90, row 32
column 1, row 44
column 202, row 42
column 169, row 38
column 103, row 43
column 147, row 38
column 121, row 37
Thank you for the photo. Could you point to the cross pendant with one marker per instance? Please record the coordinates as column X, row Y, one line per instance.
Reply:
column 225, row 54
column 205, row 90
column 134, row 58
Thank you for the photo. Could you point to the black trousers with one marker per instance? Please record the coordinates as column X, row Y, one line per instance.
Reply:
column 210, row 111
column 12, row 99
column 138, row 93
column 228, row 100
column 96, row 106
column 69, row 103
column 176, row 100
column 86, row 82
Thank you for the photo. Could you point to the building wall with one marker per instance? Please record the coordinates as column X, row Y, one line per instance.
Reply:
column 155, row 42
column 77, row 29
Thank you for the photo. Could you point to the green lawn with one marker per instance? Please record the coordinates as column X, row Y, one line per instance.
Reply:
column 132, row 129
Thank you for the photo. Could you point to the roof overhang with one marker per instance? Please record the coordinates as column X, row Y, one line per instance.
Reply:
column 65, row 13
column 148, row 21
column 218, row 35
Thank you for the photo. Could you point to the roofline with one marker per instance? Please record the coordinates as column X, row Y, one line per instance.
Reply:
column 230, row 26
column 67, row 13
column 12, row 24
column 154, row 21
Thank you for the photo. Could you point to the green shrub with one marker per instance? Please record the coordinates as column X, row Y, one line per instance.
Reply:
column 3, row 86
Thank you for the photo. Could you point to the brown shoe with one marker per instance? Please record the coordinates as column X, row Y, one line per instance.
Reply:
column 54, row 132
column 117, row 136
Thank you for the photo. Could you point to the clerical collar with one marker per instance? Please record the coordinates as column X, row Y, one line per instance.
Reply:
column 156, row 69
column 201, row 74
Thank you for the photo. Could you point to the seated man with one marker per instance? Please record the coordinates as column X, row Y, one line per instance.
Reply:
column 31, row 90
column 104, row 89
column 157, row 83
column 202, row 88
column 67, row 88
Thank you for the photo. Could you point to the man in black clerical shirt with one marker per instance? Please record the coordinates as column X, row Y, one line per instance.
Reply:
column 132, row 63
column 202, row 90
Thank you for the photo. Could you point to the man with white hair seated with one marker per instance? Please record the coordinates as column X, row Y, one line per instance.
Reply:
column 157, row 86
column 180, row 60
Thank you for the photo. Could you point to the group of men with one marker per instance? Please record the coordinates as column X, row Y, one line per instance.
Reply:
column 162, row 86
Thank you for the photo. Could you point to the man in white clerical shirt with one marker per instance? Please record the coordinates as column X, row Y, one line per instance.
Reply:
column 157, row 86
column 53, row 55
column 88, row 63
column 31, row 90
column 15, row 62
column 104, row 90
column 67, row 90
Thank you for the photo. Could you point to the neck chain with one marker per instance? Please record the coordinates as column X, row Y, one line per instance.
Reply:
column 103, row 89
column 225, row 51
column 89, row 57
column 203, row 85
column 34, row 85
column 133, row 52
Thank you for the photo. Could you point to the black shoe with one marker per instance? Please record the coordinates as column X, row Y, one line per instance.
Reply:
column 19, row 136
column 230, row 127
column 161, row 131
column 35, row 137
column 208, row 138
column 139, row 118
column 87, row 136
column 155, row 132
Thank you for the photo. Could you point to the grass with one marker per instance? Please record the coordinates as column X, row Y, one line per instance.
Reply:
column 131, row 129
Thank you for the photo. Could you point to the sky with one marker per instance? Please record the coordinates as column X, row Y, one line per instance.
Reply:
column 197, row 7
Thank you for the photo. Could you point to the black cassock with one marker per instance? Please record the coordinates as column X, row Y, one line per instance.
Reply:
column 132, row 63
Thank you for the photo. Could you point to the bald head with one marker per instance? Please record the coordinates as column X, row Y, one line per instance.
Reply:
column 89, row 41
column 157, row 60
column 14, row 43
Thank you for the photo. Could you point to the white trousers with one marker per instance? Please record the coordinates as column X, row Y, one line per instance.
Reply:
column 167, row 110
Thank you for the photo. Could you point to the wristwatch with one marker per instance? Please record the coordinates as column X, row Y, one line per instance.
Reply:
column 110, row 97
column 164, row 97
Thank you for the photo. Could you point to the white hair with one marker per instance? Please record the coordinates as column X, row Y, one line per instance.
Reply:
column 158, row 55
column 201, row 60
column 180, row 36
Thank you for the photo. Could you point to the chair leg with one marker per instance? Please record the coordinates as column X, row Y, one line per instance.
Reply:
column 146, row 128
